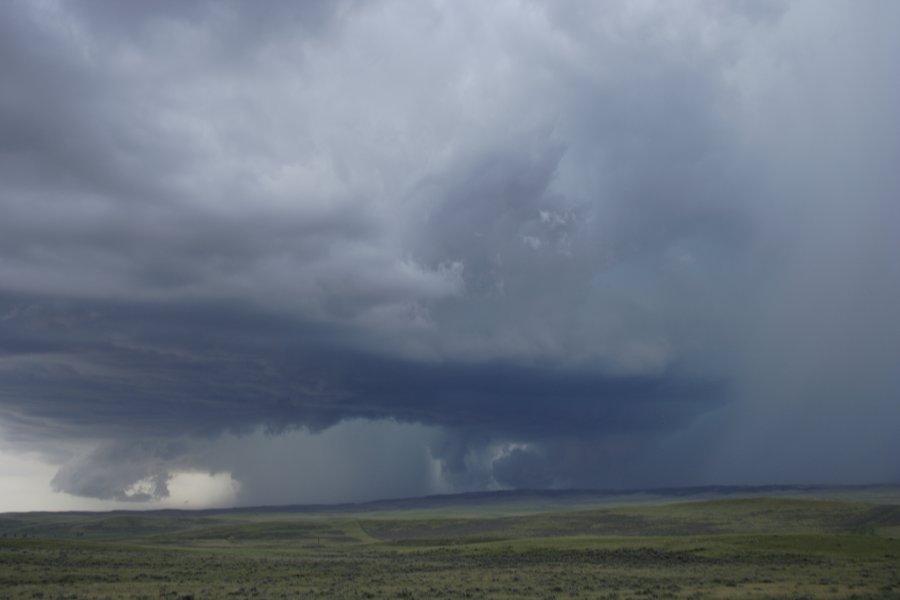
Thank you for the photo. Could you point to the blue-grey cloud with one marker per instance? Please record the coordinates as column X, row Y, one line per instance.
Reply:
column 577, row 245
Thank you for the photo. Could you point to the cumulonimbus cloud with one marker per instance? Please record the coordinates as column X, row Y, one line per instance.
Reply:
column 572, row 229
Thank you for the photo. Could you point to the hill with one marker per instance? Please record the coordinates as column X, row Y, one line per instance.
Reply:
column 783, row 541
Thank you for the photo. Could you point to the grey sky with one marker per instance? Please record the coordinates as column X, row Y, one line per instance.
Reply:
column 460, row 245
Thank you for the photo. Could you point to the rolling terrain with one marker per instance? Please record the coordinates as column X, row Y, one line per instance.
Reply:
column 773, row 542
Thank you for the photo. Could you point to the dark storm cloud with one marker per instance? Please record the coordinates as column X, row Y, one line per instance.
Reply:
column 86, row 370
column 101, row 371
column 572, row 239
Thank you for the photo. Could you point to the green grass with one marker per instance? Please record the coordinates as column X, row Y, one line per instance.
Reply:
column 750, row 548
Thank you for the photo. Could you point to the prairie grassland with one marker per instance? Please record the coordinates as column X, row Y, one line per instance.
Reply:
column 750, row 548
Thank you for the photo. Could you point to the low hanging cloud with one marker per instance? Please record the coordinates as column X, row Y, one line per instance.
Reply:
column 547, row 245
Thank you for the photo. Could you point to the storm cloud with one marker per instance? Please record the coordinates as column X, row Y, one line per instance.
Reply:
column 533, row 245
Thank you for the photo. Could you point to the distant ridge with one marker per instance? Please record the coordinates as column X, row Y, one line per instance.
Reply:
column 535, row 499
column 566, row 496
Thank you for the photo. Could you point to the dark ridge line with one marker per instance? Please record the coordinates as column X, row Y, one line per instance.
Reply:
column 474, row 498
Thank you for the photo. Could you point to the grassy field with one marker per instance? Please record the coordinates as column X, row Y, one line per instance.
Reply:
column 756, row 547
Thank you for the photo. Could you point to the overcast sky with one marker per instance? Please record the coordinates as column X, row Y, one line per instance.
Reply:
column 325, row 251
